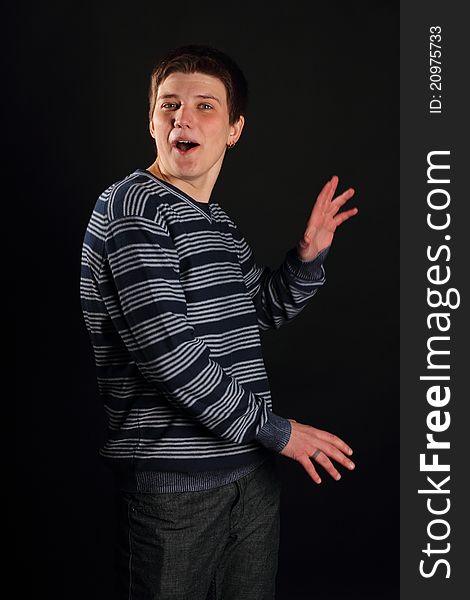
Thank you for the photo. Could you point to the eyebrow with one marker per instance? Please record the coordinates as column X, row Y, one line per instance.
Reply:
column 205, row 96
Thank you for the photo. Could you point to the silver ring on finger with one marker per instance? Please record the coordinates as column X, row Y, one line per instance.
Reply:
column 316, row 453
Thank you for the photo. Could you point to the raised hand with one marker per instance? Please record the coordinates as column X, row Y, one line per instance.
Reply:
column 324, row 219
column 307, row 442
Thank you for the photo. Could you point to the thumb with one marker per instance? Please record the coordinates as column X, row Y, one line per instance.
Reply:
column 305, row 241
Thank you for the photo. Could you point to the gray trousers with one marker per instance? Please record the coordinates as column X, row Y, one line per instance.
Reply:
column 218, row 544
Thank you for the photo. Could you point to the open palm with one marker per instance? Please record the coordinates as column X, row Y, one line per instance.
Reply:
column 324, row 219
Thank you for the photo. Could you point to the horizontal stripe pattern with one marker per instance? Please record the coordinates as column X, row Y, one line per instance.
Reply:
column 174, row 303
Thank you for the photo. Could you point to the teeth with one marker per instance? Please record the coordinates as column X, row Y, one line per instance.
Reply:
column 186, row 143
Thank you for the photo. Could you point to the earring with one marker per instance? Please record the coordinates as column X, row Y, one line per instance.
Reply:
column 230, row 146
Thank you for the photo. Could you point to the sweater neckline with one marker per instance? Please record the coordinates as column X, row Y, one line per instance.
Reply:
column 201, row 205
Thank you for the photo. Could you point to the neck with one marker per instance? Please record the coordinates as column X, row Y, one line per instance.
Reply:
column 200, row 191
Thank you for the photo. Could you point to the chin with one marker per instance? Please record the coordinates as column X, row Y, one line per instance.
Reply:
column 187, row 171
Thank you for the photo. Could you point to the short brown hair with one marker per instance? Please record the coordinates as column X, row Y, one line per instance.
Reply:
column 203, row 59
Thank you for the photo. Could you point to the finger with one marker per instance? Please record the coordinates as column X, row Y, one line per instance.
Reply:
column 327, row 193
column 305, row 240
column 336, row 455
column 326, row 463
column 308, row 466
column 334, row 184
column 344, row 197
column 324, row 197
column 333, row 439
column 344, row 216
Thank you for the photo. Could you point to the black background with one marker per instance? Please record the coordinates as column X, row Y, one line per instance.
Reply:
column 323, row 101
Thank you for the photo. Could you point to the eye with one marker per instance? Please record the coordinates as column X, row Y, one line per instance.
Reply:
column 206, row 106
column 169, row 105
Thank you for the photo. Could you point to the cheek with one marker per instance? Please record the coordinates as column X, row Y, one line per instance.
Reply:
column 160, row 135
column 218, row 133
column 160, row 127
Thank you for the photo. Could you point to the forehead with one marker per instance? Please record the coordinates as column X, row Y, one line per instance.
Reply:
column 193, row 84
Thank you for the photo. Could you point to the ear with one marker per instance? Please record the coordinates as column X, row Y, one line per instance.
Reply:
column 236, row 130
column 152, row 129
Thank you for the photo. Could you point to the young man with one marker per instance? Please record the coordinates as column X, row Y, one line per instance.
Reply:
column 174, row 303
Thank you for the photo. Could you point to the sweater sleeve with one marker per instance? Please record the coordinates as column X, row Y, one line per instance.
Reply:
column 147, row 304
column 280, row 295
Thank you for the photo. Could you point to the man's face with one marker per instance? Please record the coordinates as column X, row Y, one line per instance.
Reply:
column 190, row 124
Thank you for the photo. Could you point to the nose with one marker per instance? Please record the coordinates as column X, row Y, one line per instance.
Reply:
column 182, row 117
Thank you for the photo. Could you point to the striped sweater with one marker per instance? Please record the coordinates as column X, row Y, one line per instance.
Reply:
column 174, row 304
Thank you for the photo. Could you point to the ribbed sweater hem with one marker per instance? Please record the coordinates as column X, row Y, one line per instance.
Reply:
column 158, row 482
column 177, row 475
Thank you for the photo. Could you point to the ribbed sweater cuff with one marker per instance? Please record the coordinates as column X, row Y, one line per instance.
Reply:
column 275, row 433
column 306, row 269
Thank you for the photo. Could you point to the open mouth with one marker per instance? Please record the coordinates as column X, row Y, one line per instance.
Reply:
column 185, row 146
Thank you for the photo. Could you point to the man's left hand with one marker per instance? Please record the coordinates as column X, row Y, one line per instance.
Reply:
column 324, row 219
